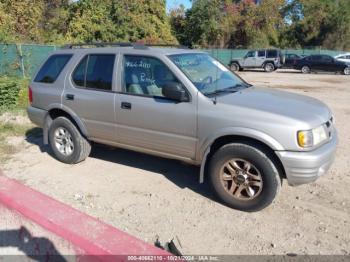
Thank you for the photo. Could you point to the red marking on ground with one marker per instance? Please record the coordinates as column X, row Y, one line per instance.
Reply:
column 87, row 233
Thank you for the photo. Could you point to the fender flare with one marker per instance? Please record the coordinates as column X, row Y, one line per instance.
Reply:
column 48, row 121
column 268, row 61
column 234, row 131
column 234, row 61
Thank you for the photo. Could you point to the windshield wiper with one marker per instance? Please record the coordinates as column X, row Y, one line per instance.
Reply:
column 231, row 89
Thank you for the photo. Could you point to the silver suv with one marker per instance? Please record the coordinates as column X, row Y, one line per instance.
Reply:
column 185, row 105
column 267, row 59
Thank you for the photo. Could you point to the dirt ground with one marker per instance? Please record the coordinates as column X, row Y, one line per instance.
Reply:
column 150, row 197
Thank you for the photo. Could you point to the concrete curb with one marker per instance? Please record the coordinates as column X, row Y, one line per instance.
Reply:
column 87, row 234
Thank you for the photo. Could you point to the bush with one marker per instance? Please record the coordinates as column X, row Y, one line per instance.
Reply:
column 13, row 93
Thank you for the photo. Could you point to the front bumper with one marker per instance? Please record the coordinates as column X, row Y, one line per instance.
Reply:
column 306, row 167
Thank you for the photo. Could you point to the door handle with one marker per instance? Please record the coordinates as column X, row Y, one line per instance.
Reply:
column 69, row 97
column 126, row 105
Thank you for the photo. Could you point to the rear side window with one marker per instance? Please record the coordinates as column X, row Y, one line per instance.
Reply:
column 271, row 53
column 316, row 58
column 261, row 53
column 52, row 68
column 95, row 72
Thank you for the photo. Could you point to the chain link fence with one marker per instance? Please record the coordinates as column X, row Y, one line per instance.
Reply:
column 22, row 60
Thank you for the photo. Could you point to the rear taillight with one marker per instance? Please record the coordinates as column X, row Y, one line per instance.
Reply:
column 30, row 95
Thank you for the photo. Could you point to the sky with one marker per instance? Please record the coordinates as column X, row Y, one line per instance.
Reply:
column 173, row 3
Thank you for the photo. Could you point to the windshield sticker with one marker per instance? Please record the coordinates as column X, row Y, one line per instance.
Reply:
column 223, row 68
column 139, row 64
column 145, row 79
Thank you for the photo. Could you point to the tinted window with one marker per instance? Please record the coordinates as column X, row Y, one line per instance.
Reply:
column 327, row 59
column 79, row 73
column 52, row 68
column 95, row 72
column 316, row 58
column 250, row 54
column 348, row 57
column 146, row 75
column 261, row 53
column 271, row 53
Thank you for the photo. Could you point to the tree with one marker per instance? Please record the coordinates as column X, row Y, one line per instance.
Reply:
column 319, row 23
column 24, row 18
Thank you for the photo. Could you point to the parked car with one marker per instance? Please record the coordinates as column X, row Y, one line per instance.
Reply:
column 343, row 57
column 268, row 59
column 324, row 63
column 185, row 105
column 290, row 60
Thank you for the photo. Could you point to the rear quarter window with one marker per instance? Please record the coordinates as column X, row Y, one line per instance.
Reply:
column 271, row 53
column 52, row 68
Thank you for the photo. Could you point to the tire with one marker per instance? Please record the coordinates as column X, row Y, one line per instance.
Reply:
column 346, row 70
column 67, row 143
column 261, row 165
column 235, row 67
column 269, row 67
column 306, row 69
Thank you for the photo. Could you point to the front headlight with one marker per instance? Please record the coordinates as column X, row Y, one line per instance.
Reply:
column 313, row 137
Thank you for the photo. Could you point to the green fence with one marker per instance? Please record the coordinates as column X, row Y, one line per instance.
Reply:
column 23, row 59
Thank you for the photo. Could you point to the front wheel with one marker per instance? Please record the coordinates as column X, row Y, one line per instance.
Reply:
column 66, row 141
column 234, row 66
column 346, row 71
column 244, row 177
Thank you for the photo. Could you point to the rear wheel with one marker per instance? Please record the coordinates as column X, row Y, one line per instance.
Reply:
column 234, row 66
column 306, row 69
column 244, row 177
column 346, row 71
column 67, row 143
column 269, row 67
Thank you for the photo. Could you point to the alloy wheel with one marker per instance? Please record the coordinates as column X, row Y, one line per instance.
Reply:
column 63, row 141
column 241, row 179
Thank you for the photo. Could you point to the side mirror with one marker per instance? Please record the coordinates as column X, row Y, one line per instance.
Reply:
column 174, row 91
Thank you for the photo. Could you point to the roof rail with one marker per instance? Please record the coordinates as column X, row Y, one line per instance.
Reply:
column 120, row 44
column 97, row 44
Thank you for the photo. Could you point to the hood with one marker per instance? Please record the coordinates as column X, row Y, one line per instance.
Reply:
column 267, row 102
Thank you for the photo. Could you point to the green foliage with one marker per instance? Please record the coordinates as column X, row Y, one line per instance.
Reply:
column 271, row 23
column 209, row 23
column 319, row 22
column 9, row 93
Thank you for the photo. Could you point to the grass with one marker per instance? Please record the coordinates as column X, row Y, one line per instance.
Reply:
column 12, row 129
column 11, row 125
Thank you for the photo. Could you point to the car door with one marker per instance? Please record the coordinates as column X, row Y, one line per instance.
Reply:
column 250, row 59
column 316, row 63
column 146, row 120
column 90, row 96
column 328, row 64
column 261, row 58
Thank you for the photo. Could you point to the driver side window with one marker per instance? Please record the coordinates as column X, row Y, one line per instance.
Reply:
column 145, row 75
column 251, row 54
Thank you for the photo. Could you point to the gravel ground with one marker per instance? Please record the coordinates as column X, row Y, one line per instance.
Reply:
column 150, row 197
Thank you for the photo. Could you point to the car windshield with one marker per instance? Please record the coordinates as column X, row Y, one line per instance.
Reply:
column 207, row 74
